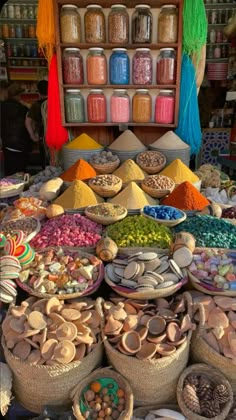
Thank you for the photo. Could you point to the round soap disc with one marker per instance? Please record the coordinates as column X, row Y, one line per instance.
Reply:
column 175, row 269
column 10, row 247
column 183, row 257
column 3, row 240
column 18, row 236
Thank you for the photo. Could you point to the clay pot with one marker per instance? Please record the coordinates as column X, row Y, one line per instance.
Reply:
column 106, row 249
column 131, row 342
column 173, row 332
column 184, row 239
column 130, row 323
column 156, row 325
column 147, row 351
column 165, row 349
column 218, row 318
column 112, row 327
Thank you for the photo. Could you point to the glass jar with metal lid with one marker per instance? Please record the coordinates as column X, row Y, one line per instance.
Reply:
column 120, row 106
column 165, row 107
column 119, row 67
column 168, row 24
column 74, row 106
column 142, row 24
column 142, row 106
column 142, row 67
column 96, row 67
column 166, row 67
column 94, row 23
column 70, row 24
column 72, row 65
column 118, row 25
column 96, row 106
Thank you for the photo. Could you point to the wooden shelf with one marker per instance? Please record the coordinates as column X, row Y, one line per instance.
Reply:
column 110, row 124
column 26, row 68
column 108, row 3
column 220, row 5
column 2, row 20
column 217, row 60
column 26, row 58
column 107, row 46
column 148, row 87
column 20, row 39
column 218, row 43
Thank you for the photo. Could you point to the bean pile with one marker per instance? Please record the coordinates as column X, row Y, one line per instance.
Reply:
column 210, row 232
column 139, row 231
column 151, row 158
column 105, row 180
column 159, row 182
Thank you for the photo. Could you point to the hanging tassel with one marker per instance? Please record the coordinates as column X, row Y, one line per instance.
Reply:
column 189, row 127
column 45, row 30
column 56, row 134
column 194, row 26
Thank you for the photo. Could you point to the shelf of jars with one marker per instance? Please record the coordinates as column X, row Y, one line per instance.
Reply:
column 113, row 55
column 217, row 60
column 219, row 5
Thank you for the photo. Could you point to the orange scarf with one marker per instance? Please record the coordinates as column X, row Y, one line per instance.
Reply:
column 45, row 31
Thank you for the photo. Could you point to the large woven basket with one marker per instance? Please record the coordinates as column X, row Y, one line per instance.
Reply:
column 104, row 220
column 106, row 191
column 201, row 352
column 15, row 189
column 106, row 168
column 152, row 169
column 215, row 376
column 38, row 385
column 104, row 373
column 152, row 380
column 70, row 156
column 156, row 193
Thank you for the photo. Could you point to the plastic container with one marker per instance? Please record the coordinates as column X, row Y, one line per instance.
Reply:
column 142, row 24
column 142, row 106
column 72, row 65
column 165, row 107
column 94, row 23
column 142, row 67
column 166, row 67
column 70, row 24
column 96, row 106
column 120, row 106
column 96, row 67
column 118, row 25
column 119, row 67
column 168, row 24
column 74, row 106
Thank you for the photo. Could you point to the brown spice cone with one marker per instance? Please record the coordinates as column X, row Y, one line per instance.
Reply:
column 221, row 394
column 190, row 399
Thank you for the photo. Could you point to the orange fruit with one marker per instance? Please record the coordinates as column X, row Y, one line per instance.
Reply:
column 95, row 386
column 120, row 393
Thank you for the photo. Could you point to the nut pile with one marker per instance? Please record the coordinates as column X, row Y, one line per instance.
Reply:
column 62, row 272
column 51, row 332
column 103, row 158
column 103, row 401
column 105, row 180
column 145, row 271
column 159, row 182
column 151, row 158
column 220, row 324
column 147, row 330
column 107, row 210
column 204, row 397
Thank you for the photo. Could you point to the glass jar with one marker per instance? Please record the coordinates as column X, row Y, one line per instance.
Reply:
column 217, row 51
column 120, row 106
column 24, row 11
column 19, row 31
column 74, row 106
column 166, row 67
column 34, row 51
column 119, row 67
column 118, row 25
column 32, row 31
column 5, row 30
column 70, row 23
column 142, row 106
column 31, row 12
column 10, row 11
column 17, row 11
column 142, row 24
column 165, row 107
column 27, row 50
column 168, row 24
column 212, row 36
column 96, row 67
column 94, row 23
column 25, row 31
column 4, row 12
column 96, row 106
column 219, row 36
column 72, row 66
column 210, row 52
column 12, row 31
column 142, row 67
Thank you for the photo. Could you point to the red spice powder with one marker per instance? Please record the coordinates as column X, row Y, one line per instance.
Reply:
column 186, row 197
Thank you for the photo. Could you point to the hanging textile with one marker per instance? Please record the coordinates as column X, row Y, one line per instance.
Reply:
column 45, row 30
column 194, row 26
column 189, row 127
column 56, row 134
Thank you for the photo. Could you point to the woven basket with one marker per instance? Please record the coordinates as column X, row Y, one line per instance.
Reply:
column 168, row 223
column 105, row 168
column 142, row 412
column 103, row 220
column 151, row 169
column 106, row 191
column 90, row 290
column 16, row 189
column 154, row 192
column 104, row 373
column 29, row 237
column 201, row 352
column 183, row 154
column 215, row 376
column 152, row 380
column 38, row 385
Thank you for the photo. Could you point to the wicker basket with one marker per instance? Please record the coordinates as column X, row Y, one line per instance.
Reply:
column 142, row 412
column 156, row 193
column 31, row 235
column 106, row 168
column 151, row 169
column 104, row 220
column 92, row 289
column 168, row 223
column 106, row 191
column 215, row 376
column 15, row 189
column 183, row 154
column 104, row 373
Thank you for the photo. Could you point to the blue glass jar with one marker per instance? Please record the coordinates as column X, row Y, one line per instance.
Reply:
column 119, row 67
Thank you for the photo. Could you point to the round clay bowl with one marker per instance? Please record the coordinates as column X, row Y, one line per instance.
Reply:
column 173, row 332
column 167, row 314
column 156, row 325
column 142, row 331
column 156, row 339
column 131, row 342
column 147, row 351
column 165, row 349
column 177, row 343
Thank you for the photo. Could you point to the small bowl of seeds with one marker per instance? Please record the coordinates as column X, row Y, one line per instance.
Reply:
column 158, row 186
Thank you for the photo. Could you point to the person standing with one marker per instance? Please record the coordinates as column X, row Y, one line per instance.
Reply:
column 34, row 120
column 15, row 138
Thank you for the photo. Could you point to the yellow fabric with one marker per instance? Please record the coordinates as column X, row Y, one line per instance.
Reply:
column 45, row 30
